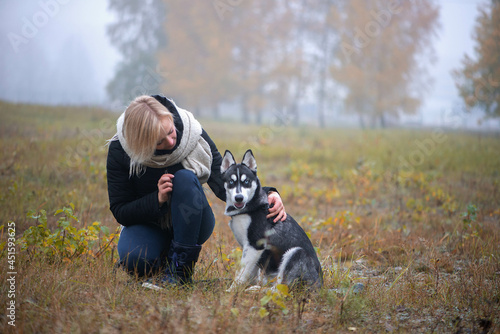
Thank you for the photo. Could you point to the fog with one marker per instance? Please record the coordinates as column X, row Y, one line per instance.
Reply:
column 57, row 52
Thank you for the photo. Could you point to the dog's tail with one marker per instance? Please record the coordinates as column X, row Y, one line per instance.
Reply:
column 298, row 268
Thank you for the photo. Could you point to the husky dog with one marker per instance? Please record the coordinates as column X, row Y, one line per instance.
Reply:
column 271, row 250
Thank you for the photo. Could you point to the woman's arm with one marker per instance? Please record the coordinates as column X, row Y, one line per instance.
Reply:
column 276, row 206
column 126, row 206
column 215, row 181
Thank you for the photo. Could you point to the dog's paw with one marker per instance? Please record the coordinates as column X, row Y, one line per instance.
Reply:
column 232, row 288
column 236, row 287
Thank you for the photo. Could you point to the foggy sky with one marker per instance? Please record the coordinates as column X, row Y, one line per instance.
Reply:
column 57, row 52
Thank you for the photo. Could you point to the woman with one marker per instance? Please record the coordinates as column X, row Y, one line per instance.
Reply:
column 157, row 163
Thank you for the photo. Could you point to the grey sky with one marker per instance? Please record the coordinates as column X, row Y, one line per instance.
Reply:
column 66, row 46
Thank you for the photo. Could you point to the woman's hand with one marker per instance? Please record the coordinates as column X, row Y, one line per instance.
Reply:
column 164, row 188
column 276, row 207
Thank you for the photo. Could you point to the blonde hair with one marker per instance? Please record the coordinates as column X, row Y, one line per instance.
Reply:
column 142, row 126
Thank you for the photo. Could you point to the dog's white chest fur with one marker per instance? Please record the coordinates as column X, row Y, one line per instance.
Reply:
column 239, row 225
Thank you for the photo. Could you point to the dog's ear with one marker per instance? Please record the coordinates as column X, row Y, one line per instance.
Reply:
column 227, row 161
column 249, row 161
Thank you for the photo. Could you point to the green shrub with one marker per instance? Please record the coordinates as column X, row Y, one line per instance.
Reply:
column 66, row 242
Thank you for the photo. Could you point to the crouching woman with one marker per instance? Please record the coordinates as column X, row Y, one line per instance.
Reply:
column 156, row 165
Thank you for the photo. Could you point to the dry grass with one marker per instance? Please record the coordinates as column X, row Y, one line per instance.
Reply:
column 399, row 230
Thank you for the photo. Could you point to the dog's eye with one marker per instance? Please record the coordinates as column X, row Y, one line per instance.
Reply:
column 246, row 182
column 231, row 182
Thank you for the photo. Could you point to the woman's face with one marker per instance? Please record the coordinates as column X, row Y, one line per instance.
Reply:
column 168, row 136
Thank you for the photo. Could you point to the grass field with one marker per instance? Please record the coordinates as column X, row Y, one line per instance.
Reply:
column 406, row 224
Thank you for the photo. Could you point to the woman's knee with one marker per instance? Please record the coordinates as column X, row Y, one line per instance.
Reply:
column 187, row 187
column 185, row 179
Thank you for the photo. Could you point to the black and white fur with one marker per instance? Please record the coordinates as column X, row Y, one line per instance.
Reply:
column 271, row 250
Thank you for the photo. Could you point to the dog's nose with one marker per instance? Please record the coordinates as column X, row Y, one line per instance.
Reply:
column 238, row 198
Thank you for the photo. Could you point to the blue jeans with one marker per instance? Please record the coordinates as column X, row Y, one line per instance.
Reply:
column 143, row 247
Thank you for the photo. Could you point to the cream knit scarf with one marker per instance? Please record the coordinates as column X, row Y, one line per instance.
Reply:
column 193, row 152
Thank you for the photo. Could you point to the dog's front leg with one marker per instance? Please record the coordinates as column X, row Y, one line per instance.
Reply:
column 249, row 268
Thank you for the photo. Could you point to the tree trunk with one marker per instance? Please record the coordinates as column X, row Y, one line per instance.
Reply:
column 258, row 117
column 362, row 121
column 383, row 123
column 216, row 112
column 244, row 110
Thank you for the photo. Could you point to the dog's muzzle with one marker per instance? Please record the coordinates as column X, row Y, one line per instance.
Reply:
column 238, row 201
